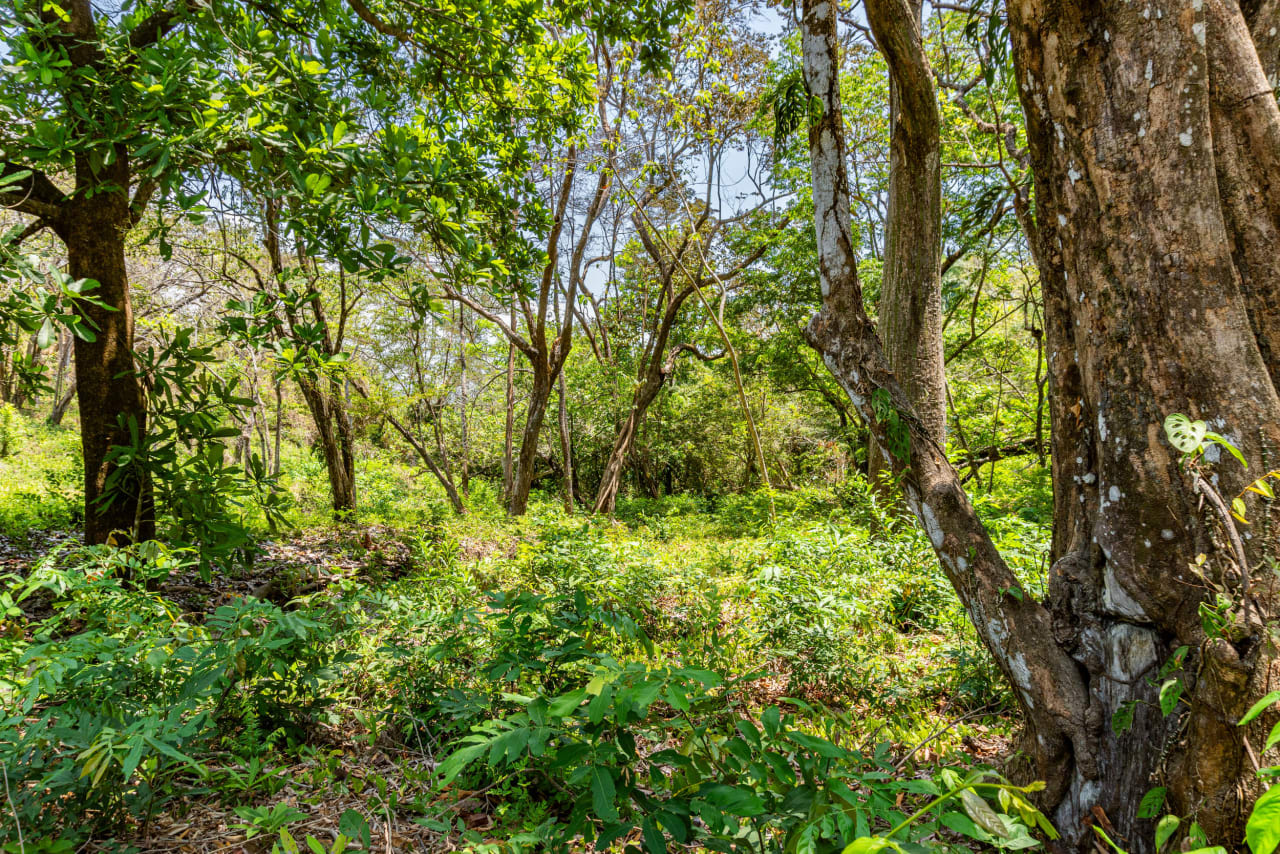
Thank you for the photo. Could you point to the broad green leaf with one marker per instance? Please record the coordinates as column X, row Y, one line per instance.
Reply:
column 982, row 814
column 603, row 794
column 1263, row 829
column 1259, row 707
column 870, row 845
column 1272, row 738
column 1166, row 828
column 1170, row 693
column 1224, row 442
column 1151, row 803
column 1122, row 718
column 12, row 177
column 564, row 705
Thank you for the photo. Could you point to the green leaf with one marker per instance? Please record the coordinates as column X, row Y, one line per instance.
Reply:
column 982, row 814
column 1272, row 738
column 1122, row 717
column 1238, row 509
column 353, row 825
column 1184, row 434
column 339, row 131
column 1151, row 803
column 1224, row 442
column 14, row 176
column 771, row 718
column 1263, row 829
column 1166, row 828
column 732, row 799
column 603, row 794
column 1170, row 693
column 564, row 705
column 870, row 845
column 1259, row 707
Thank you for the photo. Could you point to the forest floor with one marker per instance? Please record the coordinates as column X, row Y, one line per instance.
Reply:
column 879, row 647
column 315, row 686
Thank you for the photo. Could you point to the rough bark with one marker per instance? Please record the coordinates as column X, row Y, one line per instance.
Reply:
column 1153, row 140
column 535, row 414
column 910, row 307
column 93, row 225
column 1146, row 314
column 93, row 221
column 1015, row 628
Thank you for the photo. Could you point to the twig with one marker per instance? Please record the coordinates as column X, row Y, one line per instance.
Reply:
column 1202, row 486
column 16, row 823
column 901, row 763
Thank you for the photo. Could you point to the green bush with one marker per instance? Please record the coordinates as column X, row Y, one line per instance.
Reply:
column 43, row 486
column 627, row 748
column 12, row 429
column 109, row 706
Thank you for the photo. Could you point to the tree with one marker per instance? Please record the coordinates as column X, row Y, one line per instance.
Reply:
column 684, row 129
column 1148, row 312
column 108, row 112
column 910, row 307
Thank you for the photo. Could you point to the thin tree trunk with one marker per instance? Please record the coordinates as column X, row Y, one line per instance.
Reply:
column 508, row 468
column 335, row 446
column 275, row 462
column 62, row 404
column 463, row 427
column 566, row 448
column 61, row 399
column 539, row 397
column 615, row 467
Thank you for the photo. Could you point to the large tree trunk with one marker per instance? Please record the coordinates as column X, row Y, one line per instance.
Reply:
column 1146, row 316
column 112, row 402
column 910, row 308
column 1155, row 145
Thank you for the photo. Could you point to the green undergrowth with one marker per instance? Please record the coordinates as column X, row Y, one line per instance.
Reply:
column 41, row 476
column 762, row 672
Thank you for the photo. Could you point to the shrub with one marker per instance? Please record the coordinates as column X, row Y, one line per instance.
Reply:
column 637, row 748
column 106, row 707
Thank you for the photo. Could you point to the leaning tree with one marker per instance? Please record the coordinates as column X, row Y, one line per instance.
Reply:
column 1154, row 139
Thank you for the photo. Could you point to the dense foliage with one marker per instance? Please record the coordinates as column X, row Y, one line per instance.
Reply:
column 408, row 441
